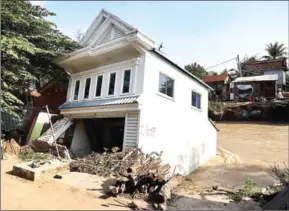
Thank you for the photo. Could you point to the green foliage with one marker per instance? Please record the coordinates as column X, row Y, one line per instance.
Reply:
column 216, row 106
column 28, row 154
column 247, row 191
column 281, row 175
column 197, row 70
column 275, row 51
column 29, row 46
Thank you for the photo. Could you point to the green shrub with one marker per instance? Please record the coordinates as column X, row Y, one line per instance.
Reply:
column 247, row 191
column 28, row 154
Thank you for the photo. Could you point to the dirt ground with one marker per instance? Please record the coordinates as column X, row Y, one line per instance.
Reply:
column 20, row 194
column 258, row 146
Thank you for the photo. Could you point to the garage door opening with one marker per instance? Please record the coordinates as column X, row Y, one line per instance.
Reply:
column 105, row 133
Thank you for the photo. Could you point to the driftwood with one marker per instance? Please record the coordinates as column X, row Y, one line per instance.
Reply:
column 227, row 190
column 137, row 174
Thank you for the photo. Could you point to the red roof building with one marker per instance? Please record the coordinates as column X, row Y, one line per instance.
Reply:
column 215, row 78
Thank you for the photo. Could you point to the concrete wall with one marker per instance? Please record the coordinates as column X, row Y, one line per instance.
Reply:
column 80, row 144
column 173, row 126
column 136, row 66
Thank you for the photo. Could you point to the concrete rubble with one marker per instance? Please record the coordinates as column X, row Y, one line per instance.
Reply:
column 38, row 169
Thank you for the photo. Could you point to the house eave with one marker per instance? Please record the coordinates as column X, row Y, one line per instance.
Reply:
column 101, row 109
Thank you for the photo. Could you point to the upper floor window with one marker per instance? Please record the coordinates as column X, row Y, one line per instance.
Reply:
column 76, row 90
column 196, row 100
column 126, row 81
column 87, row 88
column 98, row 86
column 166, row 85
column 111, row 84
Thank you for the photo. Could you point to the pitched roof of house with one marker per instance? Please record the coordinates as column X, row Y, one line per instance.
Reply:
column 215, row 78
column 128, row 29
column 161, row 55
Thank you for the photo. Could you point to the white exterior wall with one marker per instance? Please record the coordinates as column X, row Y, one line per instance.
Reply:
column 281, row 75
column 136, row 66
column 183, row 133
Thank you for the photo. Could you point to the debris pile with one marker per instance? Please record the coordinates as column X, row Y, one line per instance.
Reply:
column 136, row 174
column 11, row 147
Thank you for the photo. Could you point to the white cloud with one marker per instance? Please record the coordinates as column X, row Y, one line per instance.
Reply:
column 40, row 3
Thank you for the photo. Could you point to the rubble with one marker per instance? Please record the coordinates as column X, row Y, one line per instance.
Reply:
column 136, row 174
column 45, row 147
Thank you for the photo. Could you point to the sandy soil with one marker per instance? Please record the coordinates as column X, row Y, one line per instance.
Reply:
column 17, row 193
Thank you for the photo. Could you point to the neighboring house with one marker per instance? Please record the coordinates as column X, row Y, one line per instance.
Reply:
column 51, row 94
column 256, row 86
column 220, row 84
column 125, row 93
column 269, row 67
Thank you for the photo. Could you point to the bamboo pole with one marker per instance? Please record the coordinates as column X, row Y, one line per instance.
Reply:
column 52, row 131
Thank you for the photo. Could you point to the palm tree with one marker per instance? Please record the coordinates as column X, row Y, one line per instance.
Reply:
column 275, row 51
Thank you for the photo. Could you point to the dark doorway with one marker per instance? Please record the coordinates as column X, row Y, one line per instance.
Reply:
column 105, row 133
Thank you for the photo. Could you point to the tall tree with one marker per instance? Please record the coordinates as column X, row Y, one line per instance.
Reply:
column 197, row 70
column 29, row 46
column 275, row 51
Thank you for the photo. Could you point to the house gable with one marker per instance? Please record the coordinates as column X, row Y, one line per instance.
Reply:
column 105, row 28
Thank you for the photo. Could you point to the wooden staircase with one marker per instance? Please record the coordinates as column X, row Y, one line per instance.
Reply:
column 59, row 128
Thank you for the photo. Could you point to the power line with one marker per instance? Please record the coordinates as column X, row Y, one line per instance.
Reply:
column 221, row 63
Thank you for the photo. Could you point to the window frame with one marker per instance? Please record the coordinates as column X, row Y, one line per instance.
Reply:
column 111, row 95
column 195, row 107
column 96, row 84
column 89, row 90
column 73, row 90
column 163, row 94
column 130, row 81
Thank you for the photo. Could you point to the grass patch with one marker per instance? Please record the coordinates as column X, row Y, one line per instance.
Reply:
column 28, row 154
column 217, row 106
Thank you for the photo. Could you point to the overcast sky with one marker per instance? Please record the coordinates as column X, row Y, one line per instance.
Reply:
column 204, row 32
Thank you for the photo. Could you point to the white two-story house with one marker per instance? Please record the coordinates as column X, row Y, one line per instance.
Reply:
column 123, row 92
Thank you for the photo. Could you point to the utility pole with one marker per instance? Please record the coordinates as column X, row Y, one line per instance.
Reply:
column 239, row 66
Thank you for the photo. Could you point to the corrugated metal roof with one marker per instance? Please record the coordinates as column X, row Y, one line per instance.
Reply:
column 102, row 102
column 272, row 77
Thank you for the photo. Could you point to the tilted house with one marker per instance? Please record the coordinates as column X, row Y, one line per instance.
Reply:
column 125, row 93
